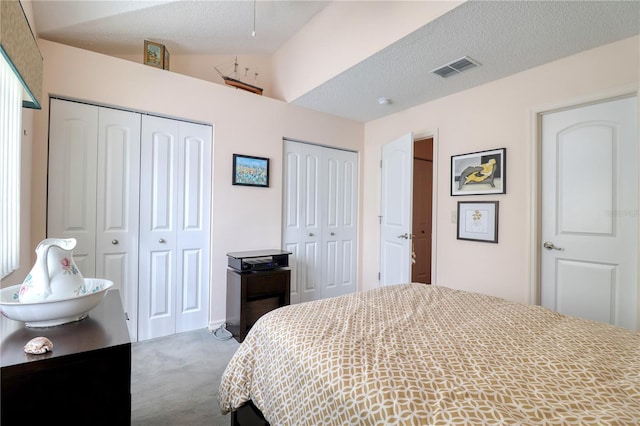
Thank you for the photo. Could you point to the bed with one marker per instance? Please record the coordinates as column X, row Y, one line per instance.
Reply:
column 420, row 354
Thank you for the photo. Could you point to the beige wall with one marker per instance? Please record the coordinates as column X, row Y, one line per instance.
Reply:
column 203, row 67
column 498, row 114
column 494, row 115
column 244, row 218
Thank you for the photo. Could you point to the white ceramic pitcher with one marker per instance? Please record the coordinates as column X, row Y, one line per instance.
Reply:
column 54, row 275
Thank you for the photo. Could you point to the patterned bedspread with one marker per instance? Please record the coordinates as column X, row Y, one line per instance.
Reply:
column 415, row 354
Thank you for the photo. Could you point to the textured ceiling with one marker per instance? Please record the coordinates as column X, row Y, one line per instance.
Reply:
column 185, row 27
column 505, row 37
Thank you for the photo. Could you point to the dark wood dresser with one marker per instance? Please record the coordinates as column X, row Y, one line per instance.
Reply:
column 85, row 380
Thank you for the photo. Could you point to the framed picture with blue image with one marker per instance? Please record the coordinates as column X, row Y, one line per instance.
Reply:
column 250, row 171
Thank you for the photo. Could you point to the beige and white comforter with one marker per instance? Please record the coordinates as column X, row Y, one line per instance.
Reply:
column 424, row 355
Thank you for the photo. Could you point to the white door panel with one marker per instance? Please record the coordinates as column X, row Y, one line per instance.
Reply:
column 118, row 206
column 115, row 267
column 302, row 222
column 147, row 229
column 193, row 209
column 294, row 265
column 161, row 299
column 73, row 158
column 586, row 287
column 586, row 160
column 159, row 165
column 395, row 211
column 174, row 226
column 311, row 272
column 319, row 220
column 291, row 217
column 339, row 230
column 589, row 181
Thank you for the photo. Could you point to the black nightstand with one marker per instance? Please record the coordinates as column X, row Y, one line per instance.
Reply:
column 253, row 293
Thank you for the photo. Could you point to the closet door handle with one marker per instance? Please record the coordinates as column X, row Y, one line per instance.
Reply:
column 550, row 246
column 333, row 233
column 311, row 234
column 114, row 242
column 161, row 241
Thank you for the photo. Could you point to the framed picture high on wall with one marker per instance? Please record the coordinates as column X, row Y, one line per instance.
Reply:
column 154, row 54
column 479, row 173
column 250, row 171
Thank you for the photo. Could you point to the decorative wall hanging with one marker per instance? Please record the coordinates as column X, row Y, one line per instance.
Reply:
column 233, row 79
column 479, row 173
column 155, row 55
column 250, row 171
column 478, row 221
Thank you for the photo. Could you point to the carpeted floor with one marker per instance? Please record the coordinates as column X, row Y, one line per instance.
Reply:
column 174, row 379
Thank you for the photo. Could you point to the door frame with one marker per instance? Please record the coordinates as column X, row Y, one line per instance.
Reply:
column 434, row 134
column 535, row 181
column 434, row 199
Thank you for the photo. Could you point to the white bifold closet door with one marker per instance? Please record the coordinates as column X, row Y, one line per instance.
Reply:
column 118, row 197
column 71, row 181
column 320, row 220
column 175, row 200
column 135, row 191
column 93, row 192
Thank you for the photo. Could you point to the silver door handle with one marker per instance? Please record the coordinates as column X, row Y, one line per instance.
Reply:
column 405, row 236
column 311, row 234
column 161, row 241
column 114, row 242
column 333, row 233
column 549, row 246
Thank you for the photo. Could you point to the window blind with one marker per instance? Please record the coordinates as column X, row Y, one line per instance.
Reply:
column 10, row 125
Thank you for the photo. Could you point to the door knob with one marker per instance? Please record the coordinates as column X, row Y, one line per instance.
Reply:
column 405, row 236
column 311, row 234
column 333, row 233
column 161, row 241
column 549, row 246
column 114, row 242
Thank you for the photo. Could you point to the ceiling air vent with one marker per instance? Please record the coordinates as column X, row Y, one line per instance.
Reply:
column 456, row 67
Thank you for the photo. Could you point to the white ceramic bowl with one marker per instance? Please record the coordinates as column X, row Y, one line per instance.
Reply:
column 48, row 313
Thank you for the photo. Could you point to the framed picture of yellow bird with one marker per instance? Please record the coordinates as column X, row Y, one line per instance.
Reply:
column 478, row 173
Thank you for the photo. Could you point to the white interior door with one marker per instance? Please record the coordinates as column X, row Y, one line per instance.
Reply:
column 589, row 212
column 339, row 231
column 193, row 216
column 118, row 175
column 302, row 221
column 73, row 159
column 158, row 223
column 175, row 191
column 395, row 211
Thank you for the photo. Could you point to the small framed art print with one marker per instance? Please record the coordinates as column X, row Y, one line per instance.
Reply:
column 250, row 171
column 154, row 54
column 478, row 221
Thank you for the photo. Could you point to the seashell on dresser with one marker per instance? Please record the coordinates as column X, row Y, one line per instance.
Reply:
column 38, row 345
